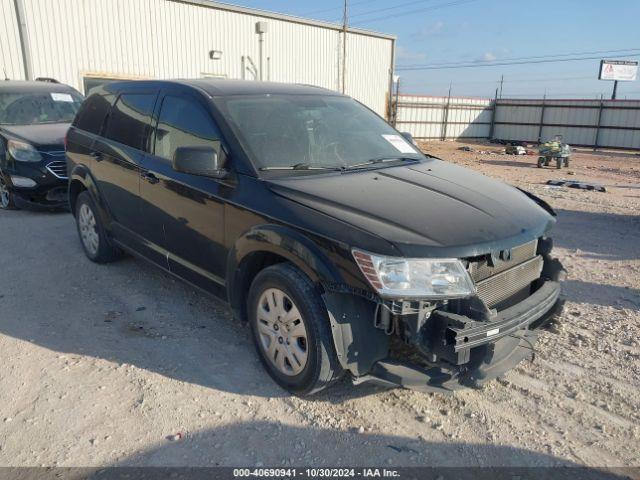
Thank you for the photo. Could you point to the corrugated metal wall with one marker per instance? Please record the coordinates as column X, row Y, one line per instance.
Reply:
column 10, row 53
column 602, row 123
column 443, row 117
column 606, row 123
column 71, row 39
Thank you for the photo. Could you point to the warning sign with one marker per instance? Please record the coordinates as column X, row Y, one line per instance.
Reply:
column 621, row 70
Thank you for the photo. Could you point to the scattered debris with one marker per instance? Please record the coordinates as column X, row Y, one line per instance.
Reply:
column 577, row 184
column 466, row 149
column 402, row 448
column 174, row 438
column 515, row 150
column 141, row 309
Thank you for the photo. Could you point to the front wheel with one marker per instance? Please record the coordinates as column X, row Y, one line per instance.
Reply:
column 291, row 330
column 6, row 195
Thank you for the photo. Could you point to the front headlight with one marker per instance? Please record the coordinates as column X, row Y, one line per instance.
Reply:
column 23, row 151
column 415, row 277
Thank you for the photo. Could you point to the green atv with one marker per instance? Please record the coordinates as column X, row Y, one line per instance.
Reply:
column 554, row 150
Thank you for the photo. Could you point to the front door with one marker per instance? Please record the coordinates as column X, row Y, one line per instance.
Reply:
column 184, row 213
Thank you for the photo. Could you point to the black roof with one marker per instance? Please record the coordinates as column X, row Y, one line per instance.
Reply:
column 23, row 86
column 217, row 87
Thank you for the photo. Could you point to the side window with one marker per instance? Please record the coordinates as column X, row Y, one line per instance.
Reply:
column 183, row 123
column 92, row 113
column 130, row 119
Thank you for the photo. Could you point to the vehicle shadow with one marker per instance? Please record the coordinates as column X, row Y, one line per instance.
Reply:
column 604, row 236
column 598, row 294
column 270, row 444
column 128, row 313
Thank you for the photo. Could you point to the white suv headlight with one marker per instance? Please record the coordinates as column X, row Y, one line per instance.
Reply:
column 415, row 277
column 23, row 151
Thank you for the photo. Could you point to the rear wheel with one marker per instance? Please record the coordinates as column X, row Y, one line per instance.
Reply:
column 291, row 330
column 559, row 163
column 95, row 243
column 6, row 195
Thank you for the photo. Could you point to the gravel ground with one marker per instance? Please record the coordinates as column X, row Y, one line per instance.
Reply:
column 123, row 365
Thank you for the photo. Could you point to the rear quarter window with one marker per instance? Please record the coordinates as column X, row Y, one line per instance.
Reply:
column 93, row 112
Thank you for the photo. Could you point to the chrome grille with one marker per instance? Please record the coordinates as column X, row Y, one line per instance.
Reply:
column 58, row 168
column 500, row 287
column 481, row 270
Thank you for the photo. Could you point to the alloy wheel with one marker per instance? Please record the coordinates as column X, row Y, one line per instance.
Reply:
column 5, row 197
column 88, row 229
column 282, row 332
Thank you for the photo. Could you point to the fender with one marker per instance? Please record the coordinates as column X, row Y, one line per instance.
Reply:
column 358, row 343
column 279, row 240
column 82, row 174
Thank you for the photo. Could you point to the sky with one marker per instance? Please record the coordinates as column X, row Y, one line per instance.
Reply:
column 435, row 32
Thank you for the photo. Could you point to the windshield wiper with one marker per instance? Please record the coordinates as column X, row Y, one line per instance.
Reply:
column 375, row 161
column 302, row 166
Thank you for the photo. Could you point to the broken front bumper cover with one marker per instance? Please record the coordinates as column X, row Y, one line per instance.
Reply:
column 481, row 351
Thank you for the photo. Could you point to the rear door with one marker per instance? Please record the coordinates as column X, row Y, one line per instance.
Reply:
column 184, row 213
column 117, row 156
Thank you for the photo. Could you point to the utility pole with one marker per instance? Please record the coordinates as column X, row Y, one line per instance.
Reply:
column 344, row 46
column 615, row 90
column 501, row 82
column 261, row 29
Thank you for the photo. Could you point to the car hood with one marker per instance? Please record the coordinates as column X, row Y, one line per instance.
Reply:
column 46, row 135
column 429, row 209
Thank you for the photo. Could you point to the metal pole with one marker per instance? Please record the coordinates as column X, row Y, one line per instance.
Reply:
column 493, row 116
column 501, row 83
column 260, row 41
column 541, row 119
column 445, row 119
column 344, row 47
column 615, row 90
column 395, row 109
column 24, row 39
column 390, row 93
column 597, row 140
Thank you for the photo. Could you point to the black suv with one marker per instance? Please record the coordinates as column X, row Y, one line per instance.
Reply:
column 34, row 118
column 345, row 248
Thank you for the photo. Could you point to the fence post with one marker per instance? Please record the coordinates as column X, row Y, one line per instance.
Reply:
column 445, row 116
column 493, row 116
column 541, row 119
column 396, row 105
column 597, row 140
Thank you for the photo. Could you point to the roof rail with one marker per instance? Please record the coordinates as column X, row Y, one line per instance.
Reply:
column 47, row 79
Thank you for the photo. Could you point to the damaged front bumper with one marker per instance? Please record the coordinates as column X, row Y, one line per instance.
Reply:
column 473, row 353
column 444, row 348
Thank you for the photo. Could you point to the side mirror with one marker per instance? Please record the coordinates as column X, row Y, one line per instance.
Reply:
column 407, row 136
column 200, row 160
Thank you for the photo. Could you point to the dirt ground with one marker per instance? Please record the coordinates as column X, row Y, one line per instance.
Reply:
column 122, row 365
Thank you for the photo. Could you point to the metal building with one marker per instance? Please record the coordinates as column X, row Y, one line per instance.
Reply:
column 87, row 42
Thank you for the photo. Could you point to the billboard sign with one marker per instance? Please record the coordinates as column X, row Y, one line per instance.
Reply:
column 621, row 70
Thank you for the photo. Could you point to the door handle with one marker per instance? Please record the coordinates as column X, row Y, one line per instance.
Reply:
column 97, row 156
column 151, row 178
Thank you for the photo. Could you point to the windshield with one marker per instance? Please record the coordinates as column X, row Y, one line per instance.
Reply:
column 27, row 108
column 312, row 132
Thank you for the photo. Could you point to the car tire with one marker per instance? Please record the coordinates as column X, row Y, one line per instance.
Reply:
column 93, row 236
column 291, row 330
column 7, row 199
